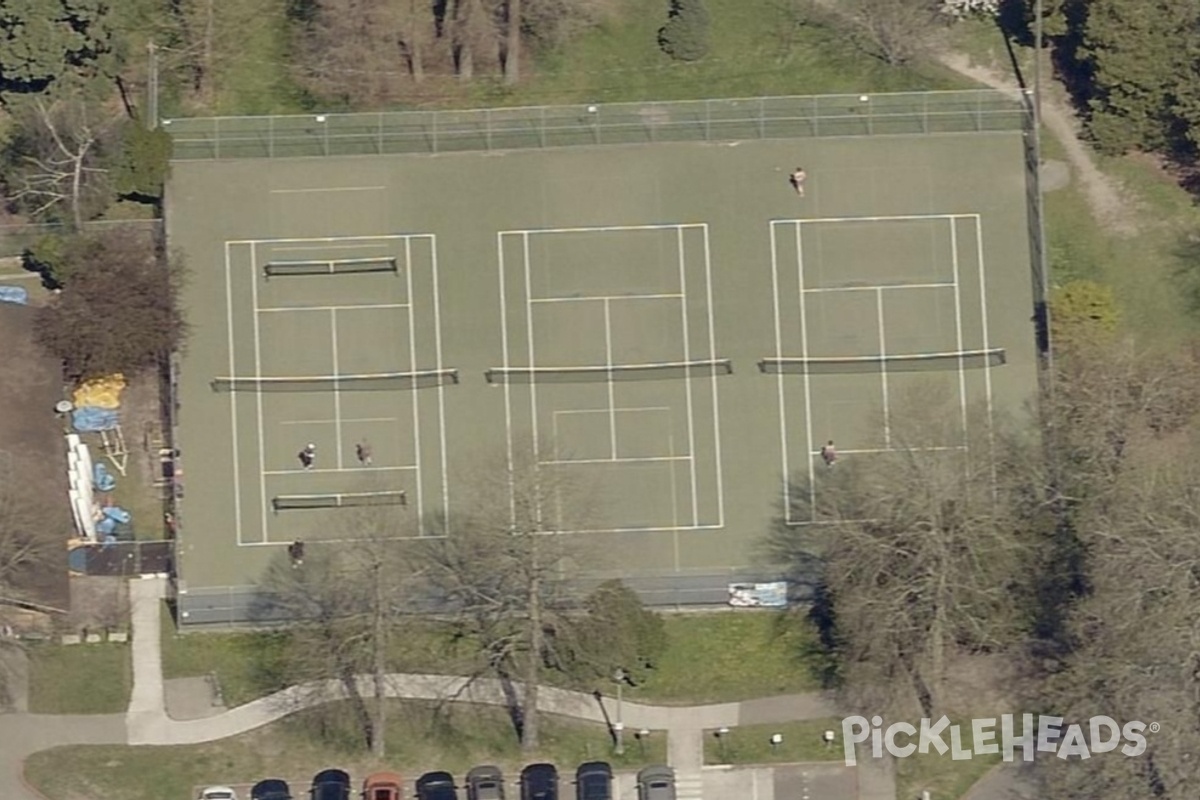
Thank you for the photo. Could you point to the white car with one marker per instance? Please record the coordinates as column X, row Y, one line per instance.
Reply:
column 218, row 793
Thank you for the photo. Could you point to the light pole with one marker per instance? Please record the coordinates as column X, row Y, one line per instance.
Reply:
column 722, row 732
column 619, row 727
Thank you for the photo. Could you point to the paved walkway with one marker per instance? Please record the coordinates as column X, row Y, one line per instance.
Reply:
column 147, row 723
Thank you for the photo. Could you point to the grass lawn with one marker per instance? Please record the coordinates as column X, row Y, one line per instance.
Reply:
column 727, row 655
column 751, row 744
column 80, row 678
column 289, row 749
column 945, row 778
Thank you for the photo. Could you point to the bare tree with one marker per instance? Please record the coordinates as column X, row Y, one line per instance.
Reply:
column 501, row 571
column 63, row 146
column 895, row 31
column 349, row 600
column 917, row 551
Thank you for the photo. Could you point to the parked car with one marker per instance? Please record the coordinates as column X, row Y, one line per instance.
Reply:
column 271, row 789
column 383, row 786
column 436, row 786
column 539, row 782
column 218, row 793
column 656, row 783
column 485, row 783
column 593, row 781
column 330, row 784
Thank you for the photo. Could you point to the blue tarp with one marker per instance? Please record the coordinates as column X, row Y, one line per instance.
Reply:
column 758, row 595
column 102, row 479
column 90, row 418
column 106, row 526
column 14, row 294
column 117, row 514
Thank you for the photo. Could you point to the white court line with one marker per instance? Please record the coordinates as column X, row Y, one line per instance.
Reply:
column 612, row 399
column 302, row 471
column 268, row 309
column 687, row 386
column 330, row 189
column 712, row 346
column 812, row 464
column 787, row 505
column 588, row 298
column 412, row 360
column 532, row 360
column 958, row 325
column 437, row 336
column 337, row 392
column 508, row 429
column 311, row 247
column 886, row 286
column 987, row 366
column 340, row 540
column 233, row 431
column 627, row 460
column 603, row 410
column 888, row 218
column 315, row 239
column 605, row 228
column 334, row 421
column 262, row 447
column 887, row 409
column 876, row 450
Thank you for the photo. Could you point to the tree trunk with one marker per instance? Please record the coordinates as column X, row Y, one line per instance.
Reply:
column 77, row 183
column 529, row 733
column 379, row 643
column 464, row 33
column 204, row 82
column 512, row 43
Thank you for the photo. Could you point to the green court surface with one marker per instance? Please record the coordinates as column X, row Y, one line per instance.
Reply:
column 669, row 323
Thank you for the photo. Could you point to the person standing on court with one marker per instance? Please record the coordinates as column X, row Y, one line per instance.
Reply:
column 829, row 453
column 797, row 179
column 363, row 451
column 308, row 456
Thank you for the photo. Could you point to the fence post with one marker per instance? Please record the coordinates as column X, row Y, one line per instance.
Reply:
column 217, row 137
column 271, row 136
column 762, row 118
column 925, row 112
column 708, row 120
column 816, row 116
column 978, row 112
column 487, row 128
column 433, row 116
column 541, row 126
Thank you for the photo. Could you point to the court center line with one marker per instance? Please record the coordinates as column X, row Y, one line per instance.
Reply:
column 533, row 408
column 619, row 460
column 441, row 389
column 812, row 464
column 269, row 309
column 887, row 218
column 884, row 286
column 612, row 399
column 233, row 430
column 712, row 347
column 262, row 457
column 308, row 248
column 607, row 228
column 334, row 421
column 340, row 469
column 783, row 447
column 508, row 428
column 687, row 358
column 883, row 375
column 330, row 189
column 337, row 392
column 958, row 325
column 591, row 298
column 987, row 368
column 322, row 239
column 603, row 410
column 412, row 360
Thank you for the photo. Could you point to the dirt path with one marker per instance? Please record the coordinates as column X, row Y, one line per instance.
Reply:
column 1104, row 196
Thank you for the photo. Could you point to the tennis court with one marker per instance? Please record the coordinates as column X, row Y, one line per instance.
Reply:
column 610, row 362
column 667, row 324
column 332, row 343
column 854, row 329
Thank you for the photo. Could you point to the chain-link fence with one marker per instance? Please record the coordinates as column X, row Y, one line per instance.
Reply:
column 968, row 111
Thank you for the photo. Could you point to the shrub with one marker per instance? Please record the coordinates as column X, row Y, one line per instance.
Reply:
column 685, row 36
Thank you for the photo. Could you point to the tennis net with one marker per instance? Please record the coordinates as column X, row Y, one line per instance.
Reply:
column 909, row 362
column 617, row 372
column 370, row 382
column 338, row 266
column 285, row 502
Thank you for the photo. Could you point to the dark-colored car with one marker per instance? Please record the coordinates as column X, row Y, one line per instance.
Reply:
column 383, row 786
column 330, row 784
column 539, row 782
column 436, row 786
column 271, row 789
column 593, row 781
column 656, row 783
column 485, row 783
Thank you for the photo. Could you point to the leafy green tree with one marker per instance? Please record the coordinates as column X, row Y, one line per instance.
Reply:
column 139, row 168
column 685, row 36
column 44, row 41
column 616, row 633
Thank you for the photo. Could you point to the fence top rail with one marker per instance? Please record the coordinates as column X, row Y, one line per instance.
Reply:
column 936, row 96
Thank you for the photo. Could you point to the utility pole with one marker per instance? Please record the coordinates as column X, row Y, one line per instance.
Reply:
column 152, row 87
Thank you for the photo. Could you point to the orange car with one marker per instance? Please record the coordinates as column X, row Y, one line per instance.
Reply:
column 383, row 786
